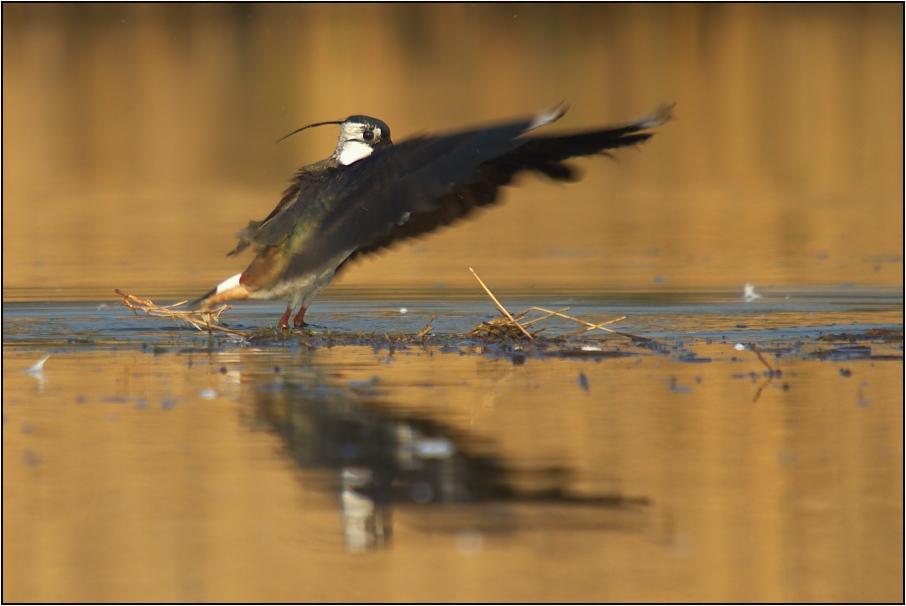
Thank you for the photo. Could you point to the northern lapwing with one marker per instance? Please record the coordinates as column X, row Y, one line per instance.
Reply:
column 370, row 193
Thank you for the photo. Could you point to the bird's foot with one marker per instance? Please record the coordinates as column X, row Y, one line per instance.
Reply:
column 299, row 320
column 284, row 321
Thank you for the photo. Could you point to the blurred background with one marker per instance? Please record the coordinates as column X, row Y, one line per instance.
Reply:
column 137, row 139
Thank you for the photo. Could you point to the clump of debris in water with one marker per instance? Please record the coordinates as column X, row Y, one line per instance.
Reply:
column 509, row 333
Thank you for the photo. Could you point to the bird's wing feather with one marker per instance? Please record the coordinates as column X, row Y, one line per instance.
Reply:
column 279, row 223
column 372, row 197
column 540, row 154
column 552, row 149
column 418, row 185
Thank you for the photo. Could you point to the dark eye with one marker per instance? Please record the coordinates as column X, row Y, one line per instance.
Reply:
column 368, row 135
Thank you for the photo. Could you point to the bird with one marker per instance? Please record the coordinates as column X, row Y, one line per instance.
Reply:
column 371, row 193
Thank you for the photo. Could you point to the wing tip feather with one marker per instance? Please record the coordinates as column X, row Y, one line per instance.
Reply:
column 548, row 116
column 661, row 115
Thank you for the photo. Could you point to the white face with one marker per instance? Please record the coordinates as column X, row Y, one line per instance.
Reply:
column 357, row 141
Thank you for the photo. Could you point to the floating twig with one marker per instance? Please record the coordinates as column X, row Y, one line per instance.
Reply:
column 589, row 325
column 771, row 373
column 549, row 314
column 201, row 320
column 761, row 357
column 503, row 327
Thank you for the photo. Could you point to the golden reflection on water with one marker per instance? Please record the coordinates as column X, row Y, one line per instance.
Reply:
column 131, row 476
column 138, row 138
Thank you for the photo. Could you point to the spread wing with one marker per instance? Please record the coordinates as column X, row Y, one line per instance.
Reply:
column 370, row 199
column 543, row 154
column 416, row 186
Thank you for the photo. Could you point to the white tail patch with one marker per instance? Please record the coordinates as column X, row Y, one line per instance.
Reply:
column 231, row 282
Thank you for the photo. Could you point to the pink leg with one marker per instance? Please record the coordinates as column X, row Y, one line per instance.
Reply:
column 284, row 321
column 299, row 320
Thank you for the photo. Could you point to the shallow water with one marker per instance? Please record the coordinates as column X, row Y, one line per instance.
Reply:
column 141, row 463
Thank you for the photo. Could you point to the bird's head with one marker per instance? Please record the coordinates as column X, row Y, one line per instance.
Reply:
column 359, row 137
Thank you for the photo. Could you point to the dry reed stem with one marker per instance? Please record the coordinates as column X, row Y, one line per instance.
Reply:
column 589, row 325
column 549, row 314
column 201, row 320
column 425, row 330
column 501, row 307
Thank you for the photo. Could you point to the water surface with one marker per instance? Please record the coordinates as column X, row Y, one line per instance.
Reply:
column 148, row 462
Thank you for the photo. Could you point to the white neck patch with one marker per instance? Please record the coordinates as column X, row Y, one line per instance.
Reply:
column 353, row 151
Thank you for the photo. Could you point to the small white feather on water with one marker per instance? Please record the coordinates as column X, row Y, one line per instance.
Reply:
column 749, row 294
column 38, row 369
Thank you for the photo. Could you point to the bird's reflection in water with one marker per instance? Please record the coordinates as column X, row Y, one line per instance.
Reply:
column 379, row 458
